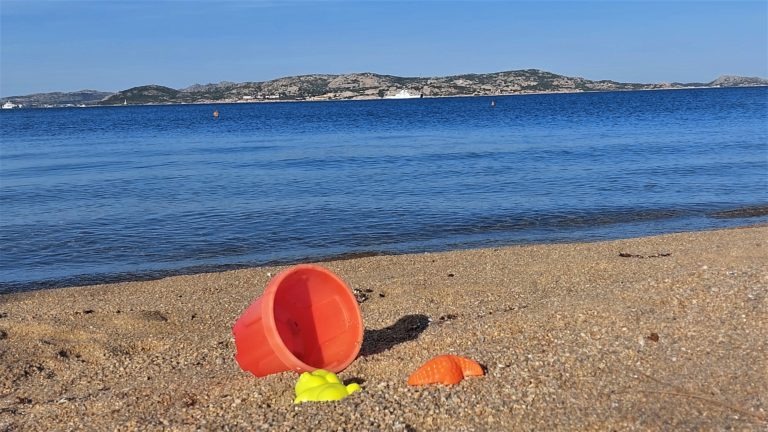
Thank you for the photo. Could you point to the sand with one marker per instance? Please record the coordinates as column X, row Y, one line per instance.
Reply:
column 671, row 336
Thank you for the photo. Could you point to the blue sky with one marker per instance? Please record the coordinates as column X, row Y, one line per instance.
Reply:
column 111, row 45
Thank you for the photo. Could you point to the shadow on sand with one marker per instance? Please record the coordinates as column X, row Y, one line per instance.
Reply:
column 405, row 329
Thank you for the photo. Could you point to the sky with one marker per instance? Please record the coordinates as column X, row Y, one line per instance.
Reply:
column 112, row 45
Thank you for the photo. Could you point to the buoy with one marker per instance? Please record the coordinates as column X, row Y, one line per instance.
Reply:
column 215, row 114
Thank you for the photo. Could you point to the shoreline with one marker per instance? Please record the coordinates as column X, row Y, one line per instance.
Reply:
column 240, row 102
column 10, row 287
column 662, row 332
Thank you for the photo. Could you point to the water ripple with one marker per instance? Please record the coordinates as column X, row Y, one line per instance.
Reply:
column 109, row 194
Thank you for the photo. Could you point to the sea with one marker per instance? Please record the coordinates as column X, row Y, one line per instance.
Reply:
column 107, row 194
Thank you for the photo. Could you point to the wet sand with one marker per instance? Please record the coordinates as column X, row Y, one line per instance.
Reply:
column 657, row 333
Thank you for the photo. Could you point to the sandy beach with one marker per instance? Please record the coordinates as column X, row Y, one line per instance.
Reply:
column 657, row 333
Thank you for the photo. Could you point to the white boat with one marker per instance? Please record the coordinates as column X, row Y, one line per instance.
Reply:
column 10, row 105
column 402, row 94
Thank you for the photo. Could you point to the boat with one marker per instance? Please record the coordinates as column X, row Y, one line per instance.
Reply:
column 402, row 94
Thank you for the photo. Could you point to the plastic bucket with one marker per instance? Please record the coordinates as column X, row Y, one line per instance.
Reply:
column 306, row 319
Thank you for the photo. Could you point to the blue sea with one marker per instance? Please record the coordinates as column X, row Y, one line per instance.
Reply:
column 107, row 194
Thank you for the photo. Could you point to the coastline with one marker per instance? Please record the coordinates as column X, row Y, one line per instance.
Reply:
column 752, row 215
column 375, row 98
column 663, row 332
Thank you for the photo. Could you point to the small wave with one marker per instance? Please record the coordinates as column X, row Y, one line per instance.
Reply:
column 742, row 212
column 109, row 278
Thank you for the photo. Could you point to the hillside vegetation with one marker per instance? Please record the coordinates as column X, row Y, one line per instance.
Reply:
column 361, row 86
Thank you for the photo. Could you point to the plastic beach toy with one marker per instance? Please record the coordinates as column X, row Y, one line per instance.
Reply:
column 306, row 319
column 322, row 386
column 445, row 369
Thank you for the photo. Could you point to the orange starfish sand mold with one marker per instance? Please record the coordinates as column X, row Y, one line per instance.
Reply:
column 445, row 369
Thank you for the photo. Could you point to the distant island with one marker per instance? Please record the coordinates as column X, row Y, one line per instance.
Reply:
column 356, row 86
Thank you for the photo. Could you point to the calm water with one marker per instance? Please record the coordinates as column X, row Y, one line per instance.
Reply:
column 103, row 194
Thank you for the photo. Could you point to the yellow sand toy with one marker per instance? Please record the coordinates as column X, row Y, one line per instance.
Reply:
column 322, row 386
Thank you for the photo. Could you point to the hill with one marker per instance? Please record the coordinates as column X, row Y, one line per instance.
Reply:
column 737, row 81
column 372, row 86
column 149, row 94
column 361, row 86
column 57, row 99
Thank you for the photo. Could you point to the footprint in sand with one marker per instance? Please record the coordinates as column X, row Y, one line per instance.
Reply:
column 94, row 335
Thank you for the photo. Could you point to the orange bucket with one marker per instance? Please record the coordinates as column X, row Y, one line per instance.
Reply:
column 306, row 319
